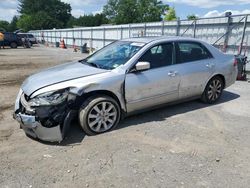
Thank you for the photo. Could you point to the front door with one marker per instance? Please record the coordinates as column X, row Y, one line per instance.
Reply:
column 155, row 86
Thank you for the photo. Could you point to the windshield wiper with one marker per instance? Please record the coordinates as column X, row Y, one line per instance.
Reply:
column 89, row 63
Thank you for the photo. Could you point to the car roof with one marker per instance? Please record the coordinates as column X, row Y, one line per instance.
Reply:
column 155, row 39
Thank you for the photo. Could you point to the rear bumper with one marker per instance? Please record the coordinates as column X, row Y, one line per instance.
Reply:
column 33, row 128
column 230, row 78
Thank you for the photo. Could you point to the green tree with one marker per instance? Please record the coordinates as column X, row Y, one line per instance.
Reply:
column 38, row 14
column 170, row 15
column 13, row 24
column 133, row 11
column 151, row 10
column 40, row 20
column 72, row 22
column 192, row 17
column 110, row 10
column 4, row 25
column 127, row 12
column 92, row 20
column 87, row 20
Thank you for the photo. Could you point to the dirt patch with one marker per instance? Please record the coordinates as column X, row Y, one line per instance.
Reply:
column 13, row 81
column 10, row 82
column 15, row 66
column 5, row 134
column 28, row 65
column 6, row 107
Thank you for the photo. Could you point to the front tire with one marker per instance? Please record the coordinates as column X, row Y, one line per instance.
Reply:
column 213, row 90
column 99, row 114
column 13, row 45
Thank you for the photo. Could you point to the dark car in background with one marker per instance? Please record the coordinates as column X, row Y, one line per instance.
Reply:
column 29, row 37
column 12, row 39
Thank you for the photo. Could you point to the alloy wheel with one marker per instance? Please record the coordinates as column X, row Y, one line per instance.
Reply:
column 102, row 116
column 214, row 90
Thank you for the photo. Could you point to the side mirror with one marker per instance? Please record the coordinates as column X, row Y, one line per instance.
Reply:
column 142, row 65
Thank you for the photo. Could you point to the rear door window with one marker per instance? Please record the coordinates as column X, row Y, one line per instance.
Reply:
column 191, row 51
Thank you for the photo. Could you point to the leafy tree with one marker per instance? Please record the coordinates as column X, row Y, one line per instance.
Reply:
column 151, row 10
column 127, row 12
column 37, row 21
column 25, row 22
column 92, row 20
column 133, row 11
column 4, row 25
column 192, row 17
column 87, row 20
column 170, row 15
column 38, row 14
column 13, row 24
column 100, row 19
column 72, row 22
column 110, row 10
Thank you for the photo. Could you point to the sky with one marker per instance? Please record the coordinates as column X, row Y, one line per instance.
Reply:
column 201, row 8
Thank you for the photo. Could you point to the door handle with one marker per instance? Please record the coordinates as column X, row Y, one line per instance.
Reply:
column 172, row 73
column 210, row 65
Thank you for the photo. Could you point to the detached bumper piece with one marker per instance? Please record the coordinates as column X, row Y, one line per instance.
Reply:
column 48, row 123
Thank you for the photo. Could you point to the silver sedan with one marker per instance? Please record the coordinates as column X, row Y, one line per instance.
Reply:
column 125, row 77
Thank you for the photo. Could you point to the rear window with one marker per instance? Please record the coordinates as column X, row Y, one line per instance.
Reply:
column 192, row 51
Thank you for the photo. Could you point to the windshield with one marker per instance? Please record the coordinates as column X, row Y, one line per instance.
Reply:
column 113, row 55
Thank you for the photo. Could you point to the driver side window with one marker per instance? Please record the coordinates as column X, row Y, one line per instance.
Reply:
column 159, row 55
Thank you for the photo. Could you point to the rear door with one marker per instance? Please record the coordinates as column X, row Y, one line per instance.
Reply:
column 157, row 85
column 195, row 65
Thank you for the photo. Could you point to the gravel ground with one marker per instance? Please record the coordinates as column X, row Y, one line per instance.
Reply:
column 185, row 145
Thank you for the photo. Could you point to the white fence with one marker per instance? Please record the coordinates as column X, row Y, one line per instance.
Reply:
column 228, row 33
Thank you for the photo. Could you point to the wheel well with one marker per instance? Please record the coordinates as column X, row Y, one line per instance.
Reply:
column 84, row 96
column 222, row 77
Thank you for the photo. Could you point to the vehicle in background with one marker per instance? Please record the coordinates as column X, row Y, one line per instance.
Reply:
column 125, row 77
column 12, row 39
column 29, row 37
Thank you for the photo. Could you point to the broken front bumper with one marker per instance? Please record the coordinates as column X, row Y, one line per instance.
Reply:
column 32, row 125
column 33, row 128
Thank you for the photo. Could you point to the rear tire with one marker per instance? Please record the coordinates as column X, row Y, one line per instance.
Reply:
column 213, row 90
column 13, row 45
column 99, row 114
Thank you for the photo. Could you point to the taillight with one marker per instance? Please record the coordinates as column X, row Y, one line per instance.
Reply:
column 235, row 62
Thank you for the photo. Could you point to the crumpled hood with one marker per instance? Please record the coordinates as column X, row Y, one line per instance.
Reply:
column 57, row 74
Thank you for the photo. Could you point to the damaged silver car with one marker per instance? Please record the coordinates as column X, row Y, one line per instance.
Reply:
column 125, row 77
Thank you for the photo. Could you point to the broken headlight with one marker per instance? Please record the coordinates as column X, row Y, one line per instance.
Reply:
column 49, row 98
